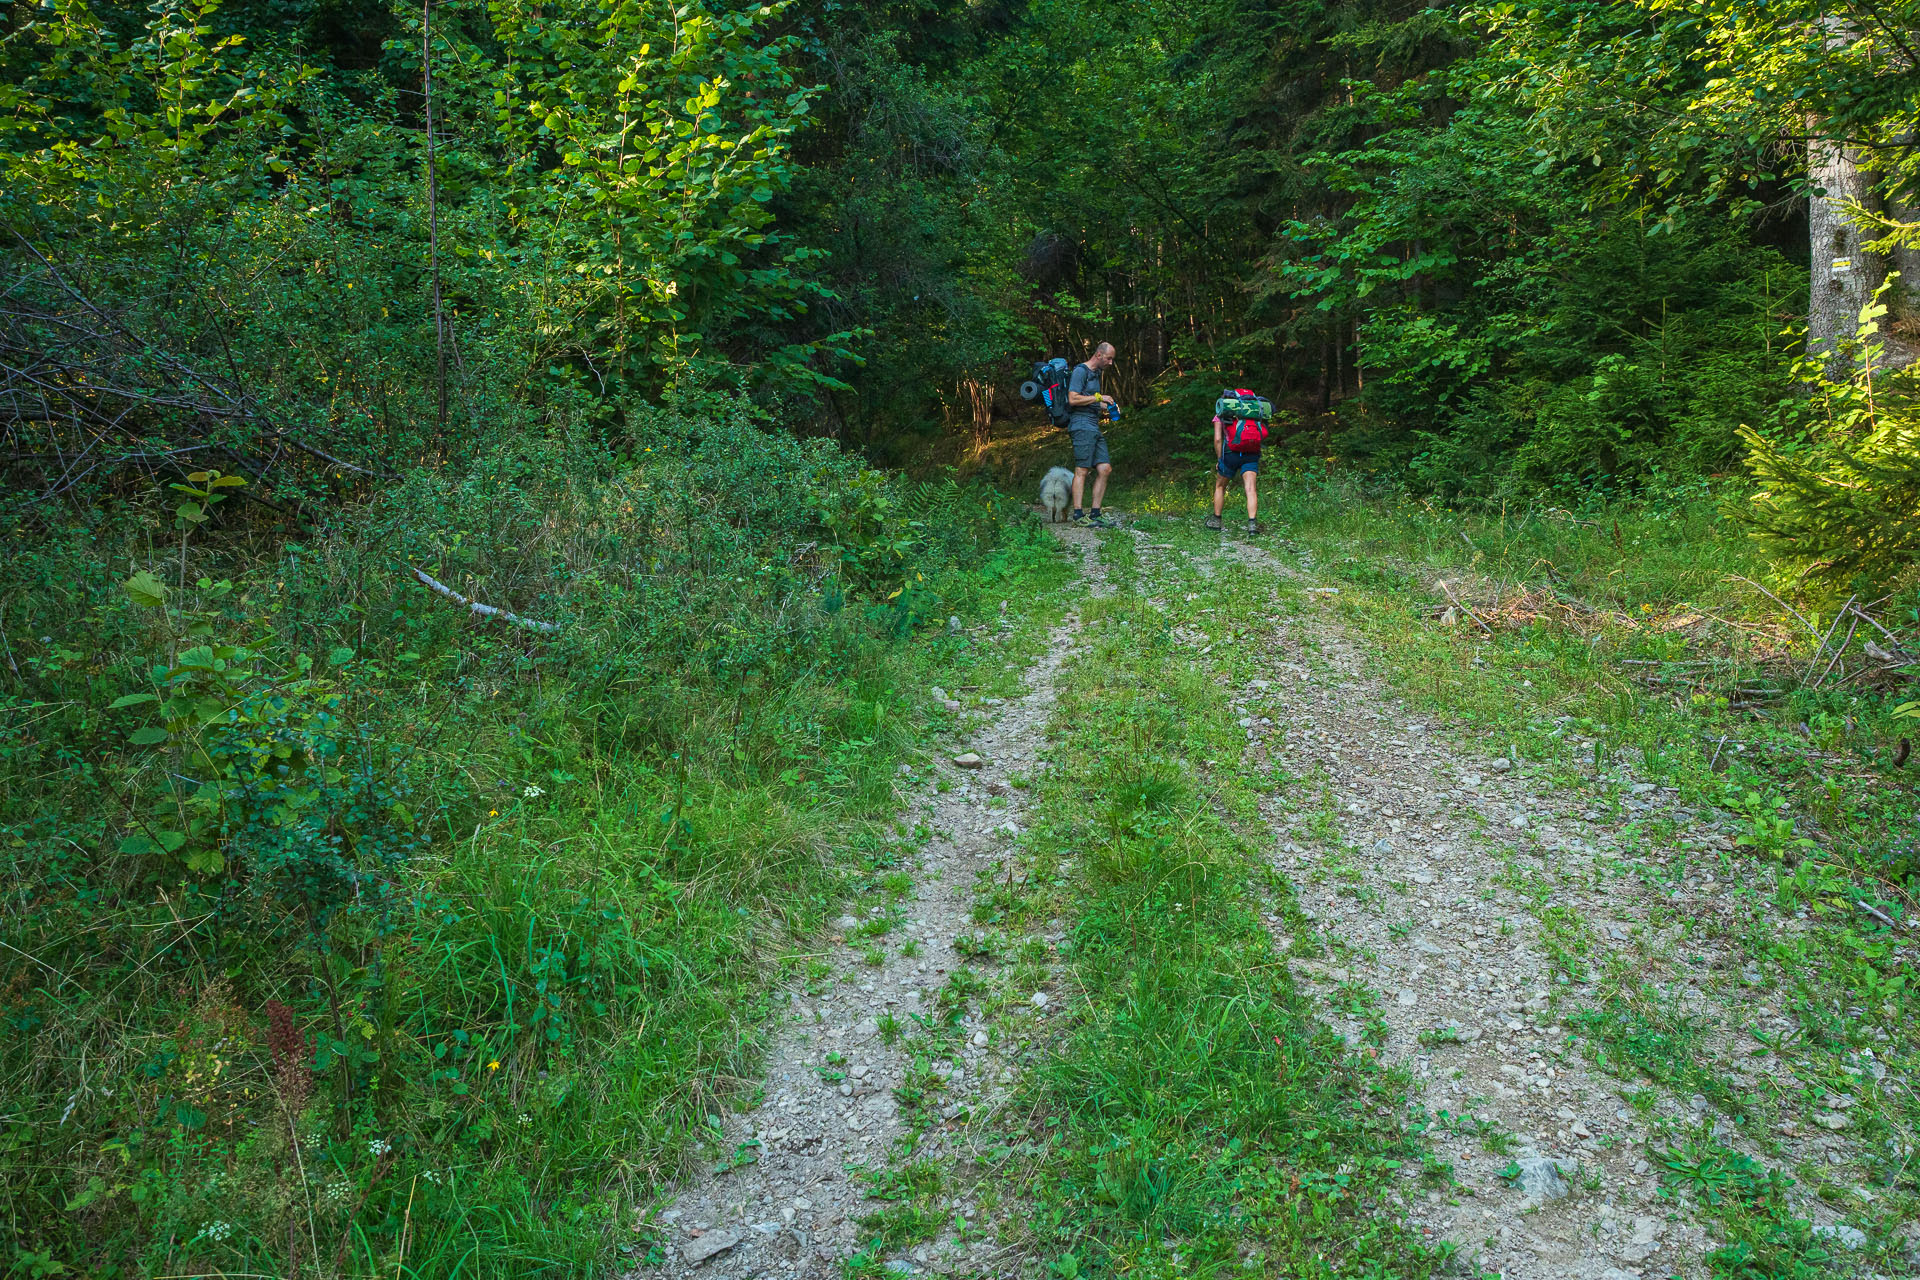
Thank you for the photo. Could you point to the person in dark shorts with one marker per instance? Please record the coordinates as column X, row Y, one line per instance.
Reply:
column 1230, row 464
column 1087, row 405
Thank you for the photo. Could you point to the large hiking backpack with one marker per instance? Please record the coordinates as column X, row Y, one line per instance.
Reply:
column 1048, row 385
column 1243, row 419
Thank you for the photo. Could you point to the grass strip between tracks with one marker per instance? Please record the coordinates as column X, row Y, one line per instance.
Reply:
column 1190, row 1115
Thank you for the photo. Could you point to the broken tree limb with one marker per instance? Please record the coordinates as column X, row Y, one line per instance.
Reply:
column 1456, row 602
column 1878, row 914
column 1777, row 600
column 484, row 610
column 1820, row 649
column 1870, row 620
column 1851, row 628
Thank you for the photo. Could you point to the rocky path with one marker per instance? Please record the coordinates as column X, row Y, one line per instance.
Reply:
column 1402, row 864
column 1433, row 871
column 1442, row 888
column 857, row 1078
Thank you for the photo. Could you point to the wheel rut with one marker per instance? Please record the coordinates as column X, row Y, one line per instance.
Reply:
column 854, row 1079
column 1430, row 874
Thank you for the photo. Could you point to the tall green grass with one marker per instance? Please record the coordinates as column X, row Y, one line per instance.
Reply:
column 468, row 929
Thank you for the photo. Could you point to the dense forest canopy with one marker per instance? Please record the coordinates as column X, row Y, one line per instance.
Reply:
column 483, row 475
column 1484, row 245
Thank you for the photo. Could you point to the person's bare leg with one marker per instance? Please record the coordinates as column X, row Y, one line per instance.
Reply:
column 1219, row 494
column 1100, row 483
column 1080, row 487
column 1253, row 498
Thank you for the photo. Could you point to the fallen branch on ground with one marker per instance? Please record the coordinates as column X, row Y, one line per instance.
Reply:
column 484, row 610
column 1813, row 630
column 1462, row 607
column 1878, row 914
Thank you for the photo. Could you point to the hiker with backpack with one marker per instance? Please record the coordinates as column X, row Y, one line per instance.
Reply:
column 1086, row 406
column 1239, row 430
column 1075, row 403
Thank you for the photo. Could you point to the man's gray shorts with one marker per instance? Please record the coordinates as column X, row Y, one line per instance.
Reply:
column 1089, row 445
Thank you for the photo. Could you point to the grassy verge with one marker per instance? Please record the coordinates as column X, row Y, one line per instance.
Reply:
column 1185, row 1114
column 349, row 934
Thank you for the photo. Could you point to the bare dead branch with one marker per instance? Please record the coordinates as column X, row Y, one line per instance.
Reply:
column 484, row 610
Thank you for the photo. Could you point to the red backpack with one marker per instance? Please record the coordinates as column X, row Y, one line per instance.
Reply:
column 1243, row 416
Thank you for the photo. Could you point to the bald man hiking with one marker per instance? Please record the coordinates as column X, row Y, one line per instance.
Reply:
column 1086, row 406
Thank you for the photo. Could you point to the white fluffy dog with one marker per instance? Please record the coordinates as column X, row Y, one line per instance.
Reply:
column 1056, row 491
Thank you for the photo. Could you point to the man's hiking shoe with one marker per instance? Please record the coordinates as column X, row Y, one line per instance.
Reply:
column 1213, row 522
column 1078, row 519
column 1253, row 527
column 1101, row 522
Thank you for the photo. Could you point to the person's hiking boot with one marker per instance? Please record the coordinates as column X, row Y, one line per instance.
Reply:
column 1253, row 527
column 1213, row 522
column 1078, row 519
column 1102, row 522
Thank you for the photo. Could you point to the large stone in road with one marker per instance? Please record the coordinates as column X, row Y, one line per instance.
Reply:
column 698, row 1251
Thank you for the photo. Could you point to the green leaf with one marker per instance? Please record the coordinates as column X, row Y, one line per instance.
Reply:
column 95, row 1188
column 146, row 590
column 206, row 860
column 150, row 736
column 132, row 700
column 339, row 657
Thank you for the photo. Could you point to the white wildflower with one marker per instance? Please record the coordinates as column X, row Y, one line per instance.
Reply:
column 533, row 789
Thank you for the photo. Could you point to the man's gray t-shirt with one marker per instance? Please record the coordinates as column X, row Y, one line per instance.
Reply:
column 1086, row 382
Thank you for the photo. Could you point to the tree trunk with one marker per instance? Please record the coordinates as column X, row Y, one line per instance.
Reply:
column 1843, row 274
column 979, row 393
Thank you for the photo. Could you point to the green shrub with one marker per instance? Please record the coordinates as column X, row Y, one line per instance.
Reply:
column 1839, row 495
